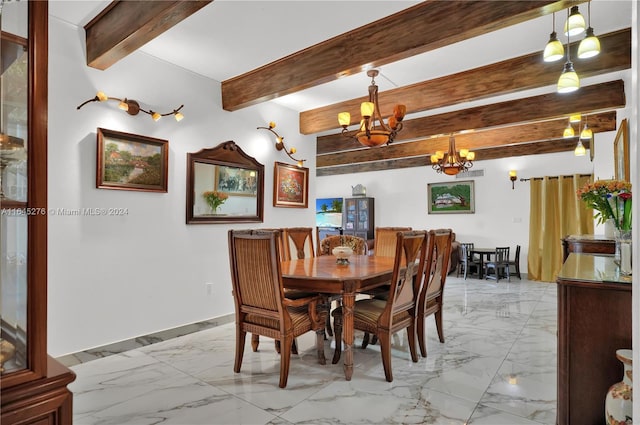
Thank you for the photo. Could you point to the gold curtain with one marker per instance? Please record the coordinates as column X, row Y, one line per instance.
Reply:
column 555, row 213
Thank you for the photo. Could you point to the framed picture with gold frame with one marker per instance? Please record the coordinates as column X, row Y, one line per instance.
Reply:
column 621, row 152
column 290, row 186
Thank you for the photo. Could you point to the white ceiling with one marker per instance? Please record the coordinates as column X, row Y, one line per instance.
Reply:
column 230, row 37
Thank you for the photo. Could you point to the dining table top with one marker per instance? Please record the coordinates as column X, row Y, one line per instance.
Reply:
column 324, row 274
column 483, row 250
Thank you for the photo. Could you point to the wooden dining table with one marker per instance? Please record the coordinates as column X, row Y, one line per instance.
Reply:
column 323, row 275
column 481, row 253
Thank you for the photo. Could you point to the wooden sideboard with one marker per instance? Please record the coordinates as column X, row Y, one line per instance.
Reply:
column 592, row 244
column 594, row 320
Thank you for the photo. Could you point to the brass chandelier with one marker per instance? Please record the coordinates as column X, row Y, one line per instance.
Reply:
column 369, row 133
column 452, row 162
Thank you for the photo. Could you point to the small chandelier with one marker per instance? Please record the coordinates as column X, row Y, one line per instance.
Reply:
column 369, row 134
column 452, row 162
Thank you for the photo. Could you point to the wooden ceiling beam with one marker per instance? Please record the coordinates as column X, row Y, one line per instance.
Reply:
column 124, row 26
column 426, row 26
column 478, row 141
column 533, row 148
column 512, row 75
column 588, row 99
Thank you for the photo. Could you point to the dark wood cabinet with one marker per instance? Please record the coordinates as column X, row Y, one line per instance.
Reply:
column 588, row 244
column 33, row 385
column 358, row 217
column 594, row 320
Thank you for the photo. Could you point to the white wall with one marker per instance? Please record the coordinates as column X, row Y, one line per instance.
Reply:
column 114, row 278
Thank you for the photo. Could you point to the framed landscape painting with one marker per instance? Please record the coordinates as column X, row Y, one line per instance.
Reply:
column 290, row 186
column 451, row 197
column 131, row 162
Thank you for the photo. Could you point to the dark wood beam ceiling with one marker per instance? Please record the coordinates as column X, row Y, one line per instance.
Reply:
column 531, row 148
column 428, row 25
column 521, row 73
column 477, row 141
column 589, row 99
column 124, row 26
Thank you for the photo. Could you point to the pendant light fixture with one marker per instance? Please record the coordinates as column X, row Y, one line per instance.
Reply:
column 369, row 133
column 568, row 81
column 590, row 45
column 452, row 162
column 580, row 149
column 553, row 51
column 586, row 133
column 568, row 132
column 575, row 24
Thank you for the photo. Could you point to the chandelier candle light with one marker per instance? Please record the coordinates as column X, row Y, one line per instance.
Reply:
column 132, row 107
column 369, row 134
column 452, row 162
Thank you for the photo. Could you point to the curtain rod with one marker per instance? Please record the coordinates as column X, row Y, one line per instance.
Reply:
column 554, row 177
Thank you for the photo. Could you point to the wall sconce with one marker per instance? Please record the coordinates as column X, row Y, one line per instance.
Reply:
column 513, row 176
column 280, row 144
column 132, row 107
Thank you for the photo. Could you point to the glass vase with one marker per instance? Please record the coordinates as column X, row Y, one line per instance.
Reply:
column 623, row 253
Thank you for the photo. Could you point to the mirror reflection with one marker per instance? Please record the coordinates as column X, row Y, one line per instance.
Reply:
column 224, row 185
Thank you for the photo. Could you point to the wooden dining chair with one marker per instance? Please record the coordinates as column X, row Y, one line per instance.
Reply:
column 432, row 291
column 516, row 263
column 499, row 264
column 260, row 304
column 301, row 239
column 357, row 244
column 384, row 245
column 383, row 318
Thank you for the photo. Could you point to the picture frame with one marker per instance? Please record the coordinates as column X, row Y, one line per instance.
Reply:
column 621, row 152
column 131, row 162
column 290, row 186
column 236, row 181
column 451, row 197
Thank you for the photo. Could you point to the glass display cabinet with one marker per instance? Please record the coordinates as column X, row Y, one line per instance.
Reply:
column 33, row 385
column 358, row 217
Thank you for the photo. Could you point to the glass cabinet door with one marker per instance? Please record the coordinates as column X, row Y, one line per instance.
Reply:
column 13, row 187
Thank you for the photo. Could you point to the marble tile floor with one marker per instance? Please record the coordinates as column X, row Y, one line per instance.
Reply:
column 497, row 366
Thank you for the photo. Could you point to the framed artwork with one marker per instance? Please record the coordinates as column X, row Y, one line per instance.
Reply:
column 621, row 152
column 236, row 181
column 290, row 186
column 131, row 162
column 451, row 197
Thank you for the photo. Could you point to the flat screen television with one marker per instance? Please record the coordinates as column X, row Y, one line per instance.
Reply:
column 329, row 212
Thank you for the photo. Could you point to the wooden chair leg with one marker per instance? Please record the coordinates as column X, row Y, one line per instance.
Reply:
column 438, row 317
column 294, row 347
column 385, row 351
column 255, row 341
column 411, row 337
column 320, row 347
column 240, row 337
column 374, row 339
column 420, row 330
column 285, row 360
column 365, row 340
column 337, row 329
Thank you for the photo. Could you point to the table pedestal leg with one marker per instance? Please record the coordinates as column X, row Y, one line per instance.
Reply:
column 348, row 301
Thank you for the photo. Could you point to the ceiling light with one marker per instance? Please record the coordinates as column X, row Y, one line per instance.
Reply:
column 568, row 132
column 553, row 51
column 586, row 133
column 574, row 118
column 580, row 150
column 280, row 144
column 590, row 45
column 132, row 107
column 574, row 25
column 452, row 162
column 370, row 134
column 568, row 81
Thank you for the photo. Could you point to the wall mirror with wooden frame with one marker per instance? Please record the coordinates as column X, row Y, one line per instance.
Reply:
column 224, row 185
